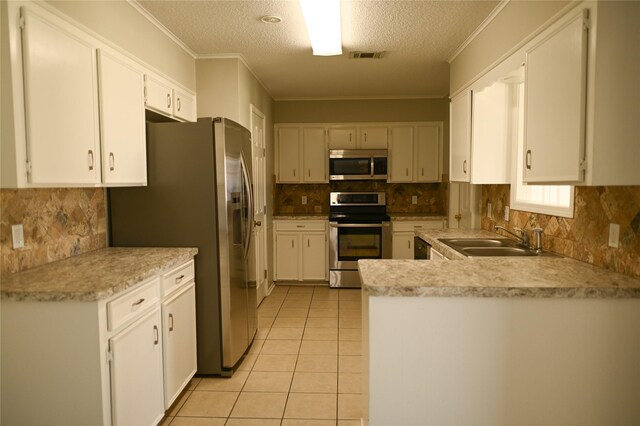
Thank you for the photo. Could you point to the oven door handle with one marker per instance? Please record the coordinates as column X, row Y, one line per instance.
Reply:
column 358, row 225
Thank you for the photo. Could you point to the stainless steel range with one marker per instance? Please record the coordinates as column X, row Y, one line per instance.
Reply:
column 359, row 228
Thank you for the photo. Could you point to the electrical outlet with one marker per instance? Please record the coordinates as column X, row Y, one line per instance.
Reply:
column 489, row 212
column 506, row 213
column 304, row 199
column 414, row 199
column 614, row 235
column 17, row 236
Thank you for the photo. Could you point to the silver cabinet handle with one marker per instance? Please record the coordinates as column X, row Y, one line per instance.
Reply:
column 301, row 226
column 407, row 171
column 112, row 161
column 464, row 166
column 168, row 100
column 409, row 244
column 365, row 137
column 294, row 172
column 309, row 172
column 422, row 171
column 156, row 334
column 528, row 159
column 178, row 279
column 90, row 158
column 308, row 243
column 179, row 104
column 138, row 302
column 292, row 244
column 170, row 322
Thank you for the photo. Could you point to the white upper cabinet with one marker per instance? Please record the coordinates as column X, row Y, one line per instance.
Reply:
column 301, row 154
column 460, row 151
column 373, row 137
column 428, row 153
column 163, row 97
column 415, row 152
column 184, row 105
column 401, row 154
column 342, row 138
column 122, row 122
column 555, row 90
column 288, row 155
column 61, row 104
column 314, row 154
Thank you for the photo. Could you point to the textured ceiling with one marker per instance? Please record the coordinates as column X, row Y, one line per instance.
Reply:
column 418, row 36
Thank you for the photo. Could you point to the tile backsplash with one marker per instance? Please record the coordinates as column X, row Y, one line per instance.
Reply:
column 432, row 197
column 585, row 236
column 58, row 223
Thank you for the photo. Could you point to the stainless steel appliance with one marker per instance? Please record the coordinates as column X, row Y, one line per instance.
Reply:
column 199, row 195
column 359, row 228
column 357, row 164
column 421, row 249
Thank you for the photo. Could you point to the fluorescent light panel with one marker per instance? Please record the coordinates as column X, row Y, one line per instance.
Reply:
column 323, row 24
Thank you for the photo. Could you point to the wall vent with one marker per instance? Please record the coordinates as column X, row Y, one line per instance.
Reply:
column 366, row 55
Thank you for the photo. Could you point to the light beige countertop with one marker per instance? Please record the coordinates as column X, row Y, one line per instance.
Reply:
column 301, row 216
column 416, row 216
column 92, row 276
column 491, row 277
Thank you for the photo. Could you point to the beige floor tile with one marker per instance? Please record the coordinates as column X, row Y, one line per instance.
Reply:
column 198, row 421
column 269, row 311
column 268, row 381
column 307, row 289
column 178, row 403
column 253, row 422
column 193, row 383
column 350, row 347
column 233, row 383
column 349, row 383
column 308, row 422
column 317, row 363
column 265, row 322
column 275, row 363
column 281, row 347
column 322, row 322
column 323, row 313
column 324, row 304
column 262, row 333
column 260, row 405
column 349, row 406
column 279, row 289
column 320, row 347
column 348, row 304
column 320, row 333
column 281, row 322
column 299, row 297
column 350, row 364
column 208, row 404
column 285, row 333
column 350, row 423
column 346, row 294
column 293, row 313
column 311, row 406
column 293, row 304
column 325, row 295
column 350, row 322
column 314, row 382
column 350, row 313
column 256, row 346
column 350, row 334
column 248, row 362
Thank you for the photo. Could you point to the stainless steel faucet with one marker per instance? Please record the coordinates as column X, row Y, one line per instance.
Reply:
column 523, row 237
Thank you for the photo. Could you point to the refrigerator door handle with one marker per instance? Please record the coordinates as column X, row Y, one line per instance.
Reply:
column 249, row 219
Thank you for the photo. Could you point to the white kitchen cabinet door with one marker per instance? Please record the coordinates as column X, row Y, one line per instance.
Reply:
column 314, row 255
column 124, row 149
column 342, row 138
column 158, row 96
column 401, row 154
column 184, row 106
column 287, row 257
column 314, row 155
column 136, row 372
column 373, row 137
column 289, row 154
column 460, row 146
column 555, row 101
column 179, row 335
column 61, row 105
column 402, row 245
column 428, row 154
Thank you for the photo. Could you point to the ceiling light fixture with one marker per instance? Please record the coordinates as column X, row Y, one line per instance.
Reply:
column 323, row 24
column 271, row 19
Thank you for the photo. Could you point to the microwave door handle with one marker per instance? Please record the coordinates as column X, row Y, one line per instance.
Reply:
column 372, row 163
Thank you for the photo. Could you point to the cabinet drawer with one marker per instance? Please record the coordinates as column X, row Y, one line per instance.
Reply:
column 301, row 225
column 410, row 226
column 174, row 279
column 130, row 305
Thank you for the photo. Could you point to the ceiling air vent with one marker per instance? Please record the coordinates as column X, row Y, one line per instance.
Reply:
column 366, row 55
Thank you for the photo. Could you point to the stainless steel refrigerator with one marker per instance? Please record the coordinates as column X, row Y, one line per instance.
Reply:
column 199, row 195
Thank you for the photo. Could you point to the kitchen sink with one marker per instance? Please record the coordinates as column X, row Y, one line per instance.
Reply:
column 482, row 247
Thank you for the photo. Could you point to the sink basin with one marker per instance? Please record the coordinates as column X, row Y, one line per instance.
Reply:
column 480, row 247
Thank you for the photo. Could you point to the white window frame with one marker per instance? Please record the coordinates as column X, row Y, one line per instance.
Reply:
column 517, row 171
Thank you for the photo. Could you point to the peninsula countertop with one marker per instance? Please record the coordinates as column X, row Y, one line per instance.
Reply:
column 92, row 276
column 491, row 277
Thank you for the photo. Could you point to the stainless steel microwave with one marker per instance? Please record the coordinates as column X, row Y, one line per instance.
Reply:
column 357, row 164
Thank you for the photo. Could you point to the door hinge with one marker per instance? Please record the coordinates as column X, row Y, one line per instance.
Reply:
column 583, row 165
column 109, row 356
column 586, row 23
column 28, row 167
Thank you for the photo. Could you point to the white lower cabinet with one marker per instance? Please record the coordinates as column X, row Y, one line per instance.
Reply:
column 403, row 232
column 136, row 372
column 301, row 250
column 179, row 336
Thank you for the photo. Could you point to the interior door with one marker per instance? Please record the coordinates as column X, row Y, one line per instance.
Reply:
column 259, row 193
